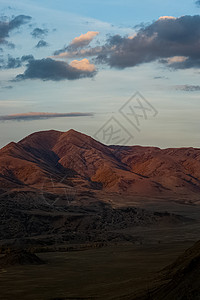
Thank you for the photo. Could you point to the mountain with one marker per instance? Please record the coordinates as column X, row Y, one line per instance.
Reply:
column 59, row 159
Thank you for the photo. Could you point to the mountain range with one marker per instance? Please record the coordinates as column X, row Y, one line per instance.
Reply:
column 72, row 159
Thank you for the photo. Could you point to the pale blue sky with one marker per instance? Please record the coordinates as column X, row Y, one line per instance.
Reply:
column 177, row 122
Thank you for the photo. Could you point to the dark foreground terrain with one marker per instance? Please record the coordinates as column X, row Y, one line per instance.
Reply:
column 97, row 250
column 28, row 221
column 114, row 272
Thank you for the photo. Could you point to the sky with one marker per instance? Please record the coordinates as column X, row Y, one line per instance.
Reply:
column 123, row 72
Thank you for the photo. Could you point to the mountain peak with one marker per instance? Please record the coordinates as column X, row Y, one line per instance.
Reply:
column 77, row 138
column 74, row 133
column 53, row 139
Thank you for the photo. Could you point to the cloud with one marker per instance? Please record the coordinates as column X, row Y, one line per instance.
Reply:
column 50, row 69
column 166, row 17
column 39, row 33
column 164, row 39
column 83, row 65
column 185, row 64
column 188, row 88
column 172, row 41
column 82, row 52
column 7, row 26
column 176, row 59
column 41, row 44
column 13, row 63
column 78, row 42
column 18, row 21
column 176, row 62
column 160, row 77
column 132, row 36
column 84, row 39
column 197, row 2
column 41, row 115
column 27, row 57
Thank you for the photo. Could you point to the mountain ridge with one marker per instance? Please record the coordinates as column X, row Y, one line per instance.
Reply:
column 79, row 158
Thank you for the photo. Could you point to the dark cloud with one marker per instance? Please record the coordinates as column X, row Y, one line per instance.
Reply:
column 18, row 21
column 39, row 33
column 27, row 57
column 14, row 63
column 41, row 44
column 172, row 41
column 163, row 39
column 50, row 69
column 7, row 26
column 41, row 115
column 188, row 88
column 197, row 2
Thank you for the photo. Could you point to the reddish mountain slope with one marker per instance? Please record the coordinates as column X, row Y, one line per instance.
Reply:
column 177, row 170
column 77, row 159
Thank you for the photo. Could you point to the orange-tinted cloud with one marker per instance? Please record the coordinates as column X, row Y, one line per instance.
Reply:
column 167, row 17
column 83, row 39
column 83, row 65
